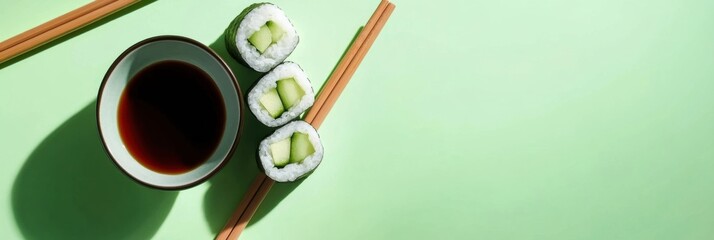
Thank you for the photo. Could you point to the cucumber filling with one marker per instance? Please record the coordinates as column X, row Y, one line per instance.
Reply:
column 268, row 34
column 283, row 97
column 270, row 101
column 291, row 150
column 300, row 147
column 290, row 92
column 275, row 31
column 261, row 39
column 281, row 152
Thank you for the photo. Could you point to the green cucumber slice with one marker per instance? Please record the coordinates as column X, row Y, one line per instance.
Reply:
column 270, row 101
column 290, row 92
column 275, row 31
column 261, row 39
column 281, row 152
column 300, row 148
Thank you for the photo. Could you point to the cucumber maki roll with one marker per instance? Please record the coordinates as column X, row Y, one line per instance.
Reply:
column 291, row 152
column 261, row 37
column 281, row 95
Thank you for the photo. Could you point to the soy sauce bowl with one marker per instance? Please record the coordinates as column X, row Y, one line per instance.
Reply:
column 132, row 61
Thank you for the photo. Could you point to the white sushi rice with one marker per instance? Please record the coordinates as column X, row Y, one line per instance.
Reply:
column 276, row 53
column 292, row 171
column 282, row 71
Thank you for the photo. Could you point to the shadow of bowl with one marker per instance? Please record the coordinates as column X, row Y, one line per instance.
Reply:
column 69, row 189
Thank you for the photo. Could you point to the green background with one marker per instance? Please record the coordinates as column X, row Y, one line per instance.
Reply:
column 553, row 119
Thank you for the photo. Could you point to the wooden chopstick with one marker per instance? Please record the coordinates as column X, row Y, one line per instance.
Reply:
column 327, row 98
column 247, row 198
column 59, row 27
column 350, row 70
column 342, row 65
column 233, row 227
column 53, row 23
column 252, row 208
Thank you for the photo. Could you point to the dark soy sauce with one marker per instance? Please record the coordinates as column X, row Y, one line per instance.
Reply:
column 171, row 117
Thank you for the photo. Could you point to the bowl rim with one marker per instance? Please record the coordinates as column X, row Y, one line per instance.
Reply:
column 223, row 64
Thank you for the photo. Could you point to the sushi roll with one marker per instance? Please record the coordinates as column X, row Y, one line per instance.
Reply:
column 281, row 95
column 291, row 152
column 261, row 37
